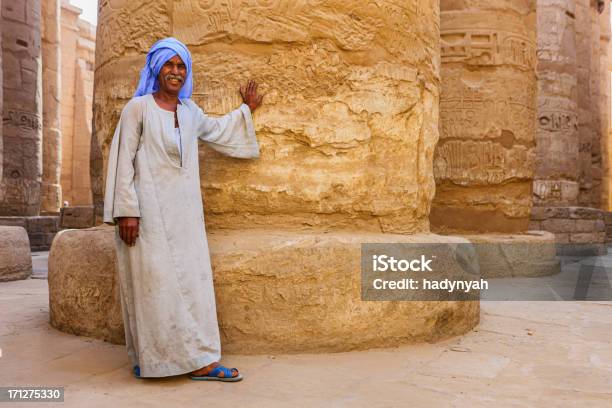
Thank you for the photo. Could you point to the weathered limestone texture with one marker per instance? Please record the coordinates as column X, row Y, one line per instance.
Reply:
column 22, row 108
column 83, row 289
column 484, row 163
column 1, row 111
column 572, row 155
column 347, row 134
column 52, row 137
column 78, row 50
column 582, row 228
column 349, row 124
column 556, row 176
column 604, row 101
column 587, row 47
column 527, row 255
column 278, row 304
column 41, row 229
column 77, row 217
column 15, row 258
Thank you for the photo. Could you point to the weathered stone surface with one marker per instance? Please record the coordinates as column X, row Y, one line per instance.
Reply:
column 484, row 163
column 608, row 221
column 604, row 88
column 574, row 225
column 78, row 49
column 77, row 217
column 349, row 124
column 15, row 258
column 559, row 225
column 289, row 292
column 51, row 194
column 41, row 229
column 1, row 110
column 592, row 37
column 530, row 254
column 22, row 108
column 83, row 290
column 556, row 178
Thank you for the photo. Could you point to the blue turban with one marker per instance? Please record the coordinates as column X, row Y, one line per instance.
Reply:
column 159, row 53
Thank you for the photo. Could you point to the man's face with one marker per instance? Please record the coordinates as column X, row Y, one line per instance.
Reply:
column 172, row 75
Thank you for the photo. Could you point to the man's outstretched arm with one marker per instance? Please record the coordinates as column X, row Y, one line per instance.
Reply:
column 234, row 133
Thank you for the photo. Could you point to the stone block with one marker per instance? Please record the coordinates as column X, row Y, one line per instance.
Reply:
column 15, row 256
column 558, row 212
column 276, row 292
column 37, row 239
column 511, row 255
column 559, row 225
column 77, row 217
column 14, row 221
column 83, row 289
column 535, row 225
column 587, row 238
column 42, row 224
column 539, row 214
column 589, row 225
column 585, row 213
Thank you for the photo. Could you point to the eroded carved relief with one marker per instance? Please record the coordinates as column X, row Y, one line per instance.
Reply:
column 350, row 117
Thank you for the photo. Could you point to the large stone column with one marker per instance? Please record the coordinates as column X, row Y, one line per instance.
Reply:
column 604, row 43
column 484, row 164
column 588, row 108
column 556, row 178
column 347, row 135
column 349, row 125
column 569, row 185
column 22, row 110
column 52, row 137
column 1, row 112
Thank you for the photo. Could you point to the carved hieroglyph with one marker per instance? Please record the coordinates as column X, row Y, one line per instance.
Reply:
column 556, row 180
column 349, row 123
column 52, row 137
column 484, row 163
column 22, row 108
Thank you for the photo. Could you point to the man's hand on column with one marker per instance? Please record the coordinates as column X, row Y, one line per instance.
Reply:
column 249, row 95
column 128, row 229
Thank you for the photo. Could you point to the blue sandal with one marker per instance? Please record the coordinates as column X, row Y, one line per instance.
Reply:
column 218, row 373
column 136, row 372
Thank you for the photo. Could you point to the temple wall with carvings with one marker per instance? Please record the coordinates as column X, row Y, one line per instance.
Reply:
column 36, row 90
column 349, row 123
column 485, row 160
column 22, row 108
column 571, row 186
column 556, row 178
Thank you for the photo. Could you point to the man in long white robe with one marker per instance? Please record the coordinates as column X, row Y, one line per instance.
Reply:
column 165, row 275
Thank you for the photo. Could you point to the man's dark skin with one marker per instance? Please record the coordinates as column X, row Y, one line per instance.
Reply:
column 171, row 78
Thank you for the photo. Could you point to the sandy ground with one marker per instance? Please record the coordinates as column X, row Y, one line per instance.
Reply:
column 523, row 354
